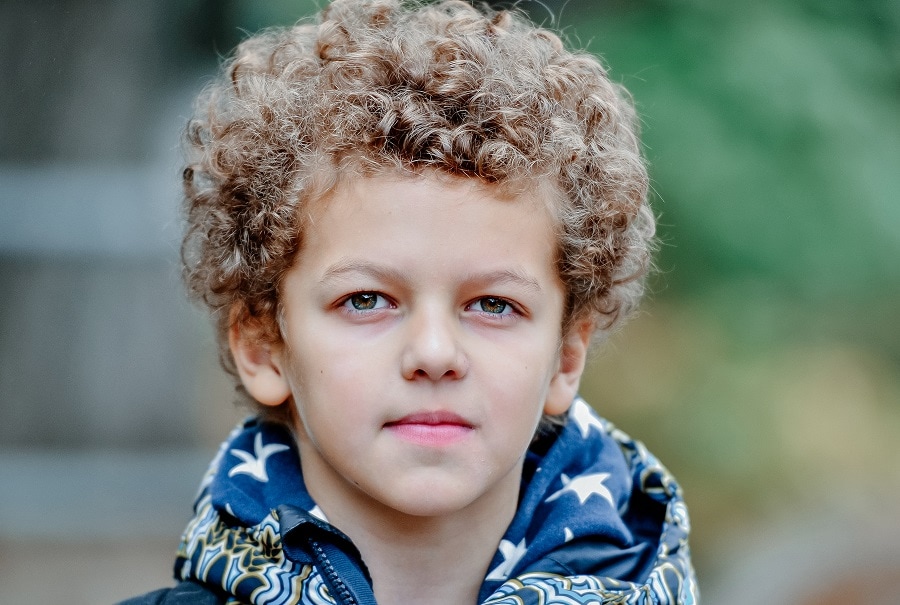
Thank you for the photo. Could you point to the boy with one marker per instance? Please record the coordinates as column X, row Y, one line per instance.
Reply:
column 409, row 222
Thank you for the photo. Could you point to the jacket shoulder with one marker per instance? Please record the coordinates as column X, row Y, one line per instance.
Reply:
column 184, row 593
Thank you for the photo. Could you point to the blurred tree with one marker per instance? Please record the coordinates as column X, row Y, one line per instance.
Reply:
column 774, row 134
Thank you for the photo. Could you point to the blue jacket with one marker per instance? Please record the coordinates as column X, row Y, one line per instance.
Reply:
column 600, row 520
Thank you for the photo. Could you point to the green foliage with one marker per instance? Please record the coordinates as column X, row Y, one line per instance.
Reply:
column 773, row 130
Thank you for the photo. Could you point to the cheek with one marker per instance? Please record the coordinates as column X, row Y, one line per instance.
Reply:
column 520, row 385
column 328, row 376
column 527, row 365
column 318, row 356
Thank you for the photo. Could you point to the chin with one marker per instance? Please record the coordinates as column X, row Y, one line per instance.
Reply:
column 427, row 502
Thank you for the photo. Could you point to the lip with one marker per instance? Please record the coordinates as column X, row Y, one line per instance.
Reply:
column 431, row 428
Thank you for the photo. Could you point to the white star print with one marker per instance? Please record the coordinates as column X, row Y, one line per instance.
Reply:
column 585, row 418
column 255, row 466
column 585, row 486
column 512, row 554
column 567, row 534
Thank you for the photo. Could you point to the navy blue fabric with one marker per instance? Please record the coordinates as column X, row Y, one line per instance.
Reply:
column 185, row 593
column 309, row 540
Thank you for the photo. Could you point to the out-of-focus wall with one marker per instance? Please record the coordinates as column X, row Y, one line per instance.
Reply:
column 99, row 347
column 110, row 396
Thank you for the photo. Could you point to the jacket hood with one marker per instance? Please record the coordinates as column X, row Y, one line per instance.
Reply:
column 599, row 520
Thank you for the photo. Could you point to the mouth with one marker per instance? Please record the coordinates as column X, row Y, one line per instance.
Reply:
column 431, row 428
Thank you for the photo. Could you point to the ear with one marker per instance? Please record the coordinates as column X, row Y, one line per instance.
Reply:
column 259, row 364
column 572, row 357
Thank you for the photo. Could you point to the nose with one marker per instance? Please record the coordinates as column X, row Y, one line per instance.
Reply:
column 433, row 349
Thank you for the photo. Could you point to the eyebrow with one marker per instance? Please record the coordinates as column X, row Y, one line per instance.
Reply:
column 506, row 276
column 344, row 268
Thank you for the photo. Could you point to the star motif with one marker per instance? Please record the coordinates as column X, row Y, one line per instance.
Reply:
column 255, row 466
column 512, row 554
column 585, row 419
column 567, row 534
column 585, row 486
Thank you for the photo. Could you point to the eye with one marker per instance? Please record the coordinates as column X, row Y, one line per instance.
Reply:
column 493, row 305
column 365, row 301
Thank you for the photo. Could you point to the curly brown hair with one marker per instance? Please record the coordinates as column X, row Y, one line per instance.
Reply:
column 388, row 85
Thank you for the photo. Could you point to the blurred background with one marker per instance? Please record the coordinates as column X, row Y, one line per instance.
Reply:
column 764, row 368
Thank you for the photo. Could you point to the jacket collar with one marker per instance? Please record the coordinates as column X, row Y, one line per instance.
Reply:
column 596, row 509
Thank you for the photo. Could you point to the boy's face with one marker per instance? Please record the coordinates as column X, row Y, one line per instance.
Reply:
column 421, row 344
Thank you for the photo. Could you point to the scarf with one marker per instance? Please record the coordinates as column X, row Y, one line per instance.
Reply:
column 599, row 521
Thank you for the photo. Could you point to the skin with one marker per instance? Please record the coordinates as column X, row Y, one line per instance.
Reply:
column 421, row 342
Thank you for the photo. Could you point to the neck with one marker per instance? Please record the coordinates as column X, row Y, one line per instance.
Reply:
column 428, row 560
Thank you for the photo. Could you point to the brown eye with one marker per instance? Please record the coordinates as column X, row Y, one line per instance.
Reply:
column 364, row 301
column 490, row 304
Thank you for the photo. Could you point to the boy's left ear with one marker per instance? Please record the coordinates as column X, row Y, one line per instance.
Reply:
column 572, row 358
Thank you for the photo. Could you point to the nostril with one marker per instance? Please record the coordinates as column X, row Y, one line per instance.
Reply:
column 432, row 351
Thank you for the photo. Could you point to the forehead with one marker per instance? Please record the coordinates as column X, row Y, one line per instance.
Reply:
column 441, row 216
